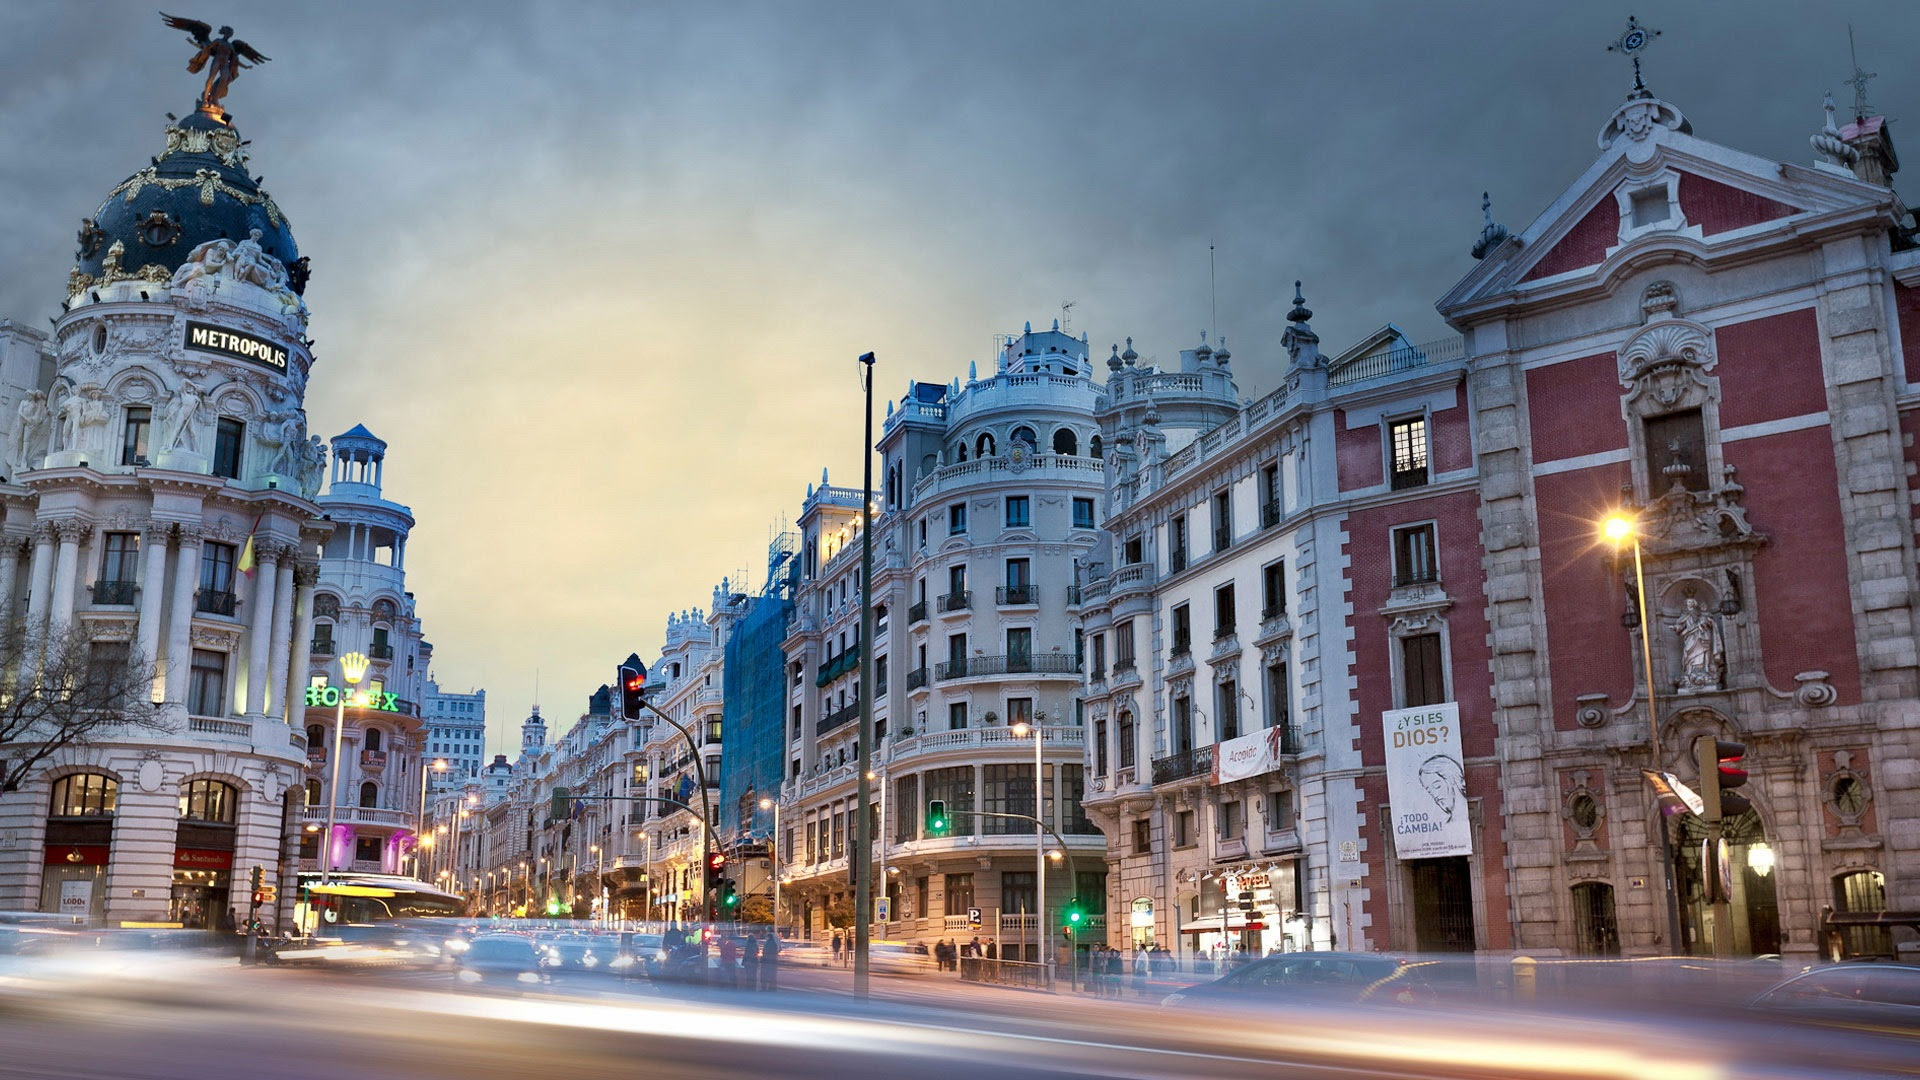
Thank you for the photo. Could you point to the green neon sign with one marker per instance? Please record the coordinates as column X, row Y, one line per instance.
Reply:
column 329, row 697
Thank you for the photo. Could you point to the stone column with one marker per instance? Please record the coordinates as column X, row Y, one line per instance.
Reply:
column 66, row 571
column 40, row 578
column 282, row 632
column 305, row 575
column 186, row 581
column 10, row 544
column 154, row 540
column 266, row 586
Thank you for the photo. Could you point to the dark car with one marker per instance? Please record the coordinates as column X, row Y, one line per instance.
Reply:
column 1361, row 978
column 1867, row 993
column 577, row 954
column 500, row 959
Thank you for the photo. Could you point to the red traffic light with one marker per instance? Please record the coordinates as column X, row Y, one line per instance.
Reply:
column 1256, row 925
column 717, row 860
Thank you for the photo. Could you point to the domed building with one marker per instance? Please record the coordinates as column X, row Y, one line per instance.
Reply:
column 156, row 517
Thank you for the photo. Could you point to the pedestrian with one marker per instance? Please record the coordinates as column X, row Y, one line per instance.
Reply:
column 973, row 948
column 750, row 961
column 729, row 963
column 770, row 961
column 836, row 946
column 991, row 951
column 1113, row 972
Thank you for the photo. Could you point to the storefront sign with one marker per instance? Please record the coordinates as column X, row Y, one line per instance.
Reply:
column 1426, row 782
column 76, row 854
column 201, row 859
column 76, row 897
column 205, row 337
column 329, row 696
column 1248, row 755
column 1141, row 912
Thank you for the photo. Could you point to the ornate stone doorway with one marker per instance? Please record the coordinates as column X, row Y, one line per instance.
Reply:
column 1754, row 908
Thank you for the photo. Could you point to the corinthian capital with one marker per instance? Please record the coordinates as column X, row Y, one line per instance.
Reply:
column 70, row 530
column 306, row 574
column 191, row 533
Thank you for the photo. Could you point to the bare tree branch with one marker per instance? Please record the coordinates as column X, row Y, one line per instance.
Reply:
column 68, row 691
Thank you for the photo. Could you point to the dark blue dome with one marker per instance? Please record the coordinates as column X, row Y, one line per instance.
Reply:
column 198, row 190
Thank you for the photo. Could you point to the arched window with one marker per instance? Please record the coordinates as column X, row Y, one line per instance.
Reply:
column 313, row 793
column 84, row 795
column 984, row 447
column 373, row 740
column 369, row 794
column 960, row 451
column 383, row 610
column 316, row 738
column 1066, row 442
column 1095, row 449
column 1025, row 434
column 209, row 801
column 1595, row 929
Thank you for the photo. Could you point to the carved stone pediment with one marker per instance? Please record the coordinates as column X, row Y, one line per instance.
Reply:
column 1684, row 520
column 1666, row 343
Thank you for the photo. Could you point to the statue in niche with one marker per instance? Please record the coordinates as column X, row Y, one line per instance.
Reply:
column 93, row 415
column 30, row 435
column 183, row 420
column 313, row 466
column 1703, row 654
column 293, row 440
column 66, row 429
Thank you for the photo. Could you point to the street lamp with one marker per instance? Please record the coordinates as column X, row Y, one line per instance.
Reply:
column 439, row 765
column 1622, row 528
column 1020, row 731
column 773, row 860
column 353, row 667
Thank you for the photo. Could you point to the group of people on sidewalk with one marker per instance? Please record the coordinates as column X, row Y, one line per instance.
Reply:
column 750, row 962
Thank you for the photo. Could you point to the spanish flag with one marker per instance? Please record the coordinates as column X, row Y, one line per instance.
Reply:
column 246, row 563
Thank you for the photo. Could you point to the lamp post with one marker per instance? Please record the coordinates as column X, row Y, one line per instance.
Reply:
column 773, row 860
column 353, row 667
column 420, row 827
column 1621, row 528
column 863, row 794
column 453, row 850
column 1022, row 730
column 526, row 884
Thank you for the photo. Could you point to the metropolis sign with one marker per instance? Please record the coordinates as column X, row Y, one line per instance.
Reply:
column 205, row 337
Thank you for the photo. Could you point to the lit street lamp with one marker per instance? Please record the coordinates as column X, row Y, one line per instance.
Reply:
column 353, row 667
column 439, row 765
column 773, row 859
column 1020, row 731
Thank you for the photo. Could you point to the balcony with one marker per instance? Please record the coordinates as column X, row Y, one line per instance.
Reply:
column 1183, row 765
column 113, row 593
column 317, row 755
column 1012, row 664
column 322, row 646
column 1177, row 561
column 380, row 651
column 956, row 601
column 1007, row 595
column 373, row 760
column 837, row 666
column 837, row 717
column 917, row 678
column 1074, row 596
column 1413, row 477
column 361, row 815
column 1415, row 575
column 987, row 738
column 917, row 611
column 1182, row 645
column 214, row 601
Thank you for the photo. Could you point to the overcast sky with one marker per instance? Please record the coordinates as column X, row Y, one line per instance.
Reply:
column 599, row 272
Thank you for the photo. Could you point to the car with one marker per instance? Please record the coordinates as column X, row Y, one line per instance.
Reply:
column 500, row 959
column 639, row 954
column 901, row 957
column 1866, row 992
column 1357, row 978
column 574, row 953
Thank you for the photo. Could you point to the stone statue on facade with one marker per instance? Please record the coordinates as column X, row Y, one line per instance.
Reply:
column 1703, row 654
column 30, row 432
column 223, row 58
column 206, row 260
column 183, row 420
column 94, row 415
column 313, row 466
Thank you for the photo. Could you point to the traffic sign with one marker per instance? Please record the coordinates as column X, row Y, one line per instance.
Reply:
column 973, row 918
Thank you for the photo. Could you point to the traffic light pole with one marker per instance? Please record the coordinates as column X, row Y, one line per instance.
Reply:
column 706, row 805
column 862, row 829
column 1073, row 874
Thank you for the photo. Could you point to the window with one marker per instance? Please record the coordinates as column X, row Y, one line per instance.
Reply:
column 1007, row 789
column 316, row 736
column 1100, row 747
column 957, row 653
column 369, row 794
column 1016, row 892
column 1099, row 658
column 323, row 638
column 1182, row 630
column 1019, row 711
column 373, row 739
column 84, row 795
column 119, row 555
column 1677, row 442
column 1019, row 512
column 1066, row 442
column 1650, row 206
column 1020, row 649
column 1182, row 734
column 1143, row 836
column 956, row 519
column 956, row 716
column 1183, row 828
column 1223, row 618
column 1083, row 513
column 208, row 800
column 207, row 686
column 1279, row 811
column 227, row 441
column 1072, row 783
column 1279, row 710
column 1422, row 677
column 1177, row 544
column 1126, row 739
column 880, row 674
column 1025, row 434
column 133, row 441
column 382, row 647
column 216, row 567
column 1408, row 441
column 1226, row 706
column 953, row 786
column 1222, row 520
column 1273, row 589
column 1232, row 820
column 956, row 579
column 1019, row 583
column 1134, row 553
column 984, row 446
column 959, row 893
column 1123, row 646
column 366, row 849
column 1415, row 561
column 1270, row 496
column 313, row 793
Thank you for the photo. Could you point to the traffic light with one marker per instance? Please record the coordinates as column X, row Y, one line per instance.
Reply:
column 633, row 679
column 716, row 869
column 1722, row 771
column 264, row 895
column 937, row 823
column 729, row 896
column 1076, row 914
column 254, row 879
column 561, row 808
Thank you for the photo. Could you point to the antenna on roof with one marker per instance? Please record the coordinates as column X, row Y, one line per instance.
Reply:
column 1066, row 309
column 1859, row 80
column 1213, row 295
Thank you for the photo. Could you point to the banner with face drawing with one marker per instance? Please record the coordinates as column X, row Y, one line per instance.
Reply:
column 1427, row 782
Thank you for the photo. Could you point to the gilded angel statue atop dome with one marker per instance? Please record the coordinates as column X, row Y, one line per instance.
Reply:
column 223, row 58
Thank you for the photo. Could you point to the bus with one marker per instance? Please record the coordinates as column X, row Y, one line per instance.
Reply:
column 357, row 899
